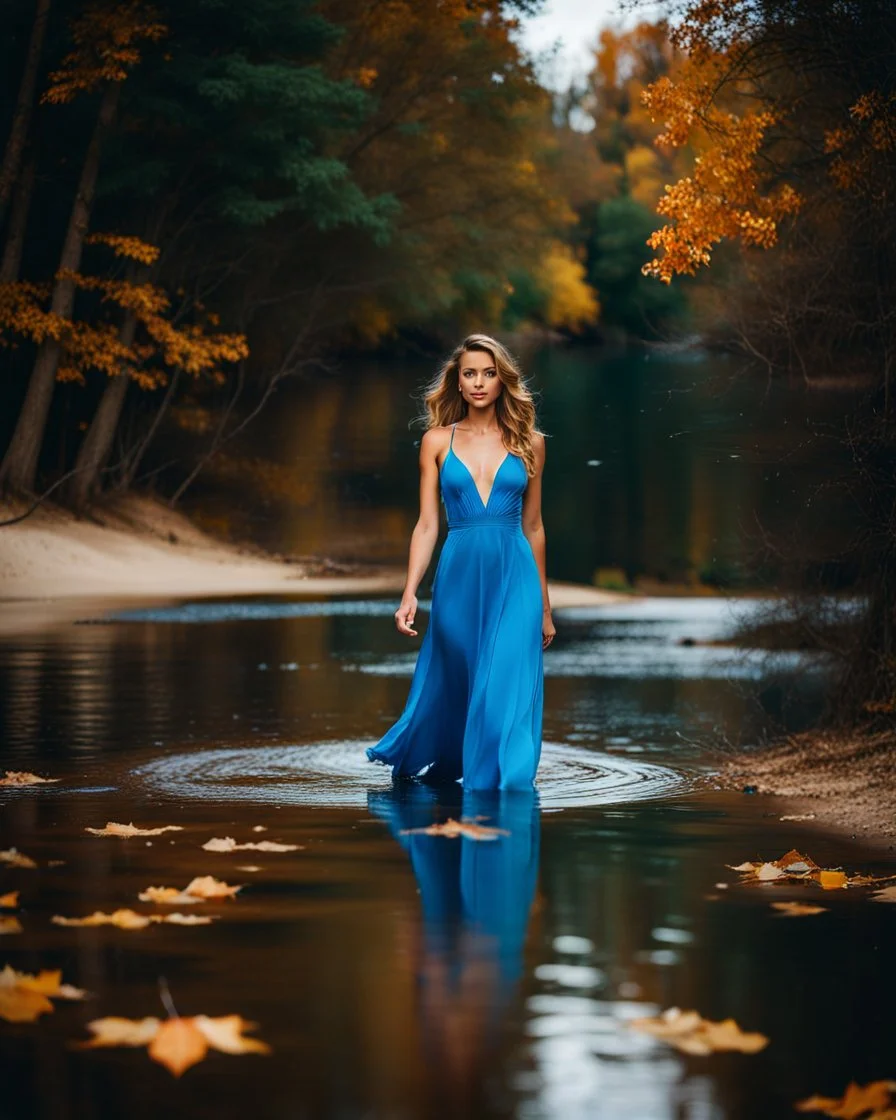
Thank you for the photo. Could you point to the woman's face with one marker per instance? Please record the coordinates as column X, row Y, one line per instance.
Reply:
column 478, row 379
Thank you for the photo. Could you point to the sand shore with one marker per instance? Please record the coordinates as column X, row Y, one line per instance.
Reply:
column 53, row 564
column 840, row 781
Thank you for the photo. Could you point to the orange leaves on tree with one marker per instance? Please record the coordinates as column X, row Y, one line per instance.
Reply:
column 132, row 248
column 107, row 38
column 177, row 1043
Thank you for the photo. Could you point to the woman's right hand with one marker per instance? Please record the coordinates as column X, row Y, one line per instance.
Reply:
column 404, row 616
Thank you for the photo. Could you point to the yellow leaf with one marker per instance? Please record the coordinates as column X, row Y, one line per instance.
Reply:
column 114, row 1031
column 123, row 919
column 114, row 829
column 832, row 880
column 9, row 901
column 10, row 924
column 23, row 996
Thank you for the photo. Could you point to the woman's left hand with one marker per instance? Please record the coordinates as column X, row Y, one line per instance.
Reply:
column 547, row 628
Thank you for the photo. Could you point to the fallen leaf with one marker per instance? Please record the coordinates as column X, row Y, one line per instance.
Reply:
column 176, row 1043
column 886, row 894
column 831, row 880
column 10, row 924
column 797, row 909
column 123, row 919
column 793, row 866
column 453, row 828
column 689, row 1032
column 197, row 890
column 23, row 778
column 794, row 861
column 260, row 828
column 23, row 996
column 129, row 919
column 114, row 829
column 168, row 896
column 206, row 886
column 16, row 858
column 855, row 1102
column 798, row 817
column 9, row 901
column 248, row 867
column 228, row 844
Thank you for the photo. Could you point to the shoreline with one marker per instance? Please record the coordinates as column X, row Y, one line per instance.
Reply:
column 54, row 567
column 841, row 782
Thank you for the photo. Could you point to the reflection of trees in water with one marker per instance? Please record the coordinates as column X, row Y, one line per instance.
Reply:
column 476, row 898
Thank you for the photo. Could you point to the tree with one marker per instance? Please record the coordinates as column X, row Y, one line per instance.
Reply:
column 106, row 40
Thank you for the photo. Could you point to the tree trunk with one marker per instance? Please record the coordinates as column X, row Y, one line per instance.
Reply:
column 19, row 467
column 96, row 445
column 12, row 157
column 18, row 221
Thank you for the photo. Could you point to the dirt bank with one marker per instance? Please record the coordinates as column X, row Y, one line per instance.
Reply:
column 846, row 781
column 52, row 563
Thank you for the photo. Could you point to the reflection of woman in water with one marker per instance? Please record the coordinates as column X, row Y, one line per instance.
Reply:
column 474, row 710
column 476, row 898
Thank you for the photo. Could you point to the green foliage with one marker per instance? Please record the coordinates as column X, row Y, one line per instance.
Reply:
column 616, row 251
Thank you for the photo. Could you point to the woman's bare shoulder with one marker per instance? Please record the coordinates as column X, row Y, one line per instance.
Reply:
column 435, row 440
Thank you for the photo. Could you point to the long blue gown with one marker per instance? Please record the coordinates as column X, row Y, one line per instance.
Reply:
column 474, row 709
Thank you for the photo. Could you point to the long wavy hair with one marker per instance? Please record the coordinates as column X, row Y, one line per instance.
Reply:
column 514, row 408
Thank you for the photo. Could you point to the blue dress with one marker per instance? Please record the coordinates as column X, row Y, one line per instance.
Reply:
column 474, row 709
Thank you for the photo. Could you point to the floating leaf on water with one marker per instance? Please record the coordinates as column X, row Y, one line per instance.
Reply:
column 886, row 894
column 23, row 778
column 798, row 817
column 248, row 867
column 10, row 924
column 112, row 828
column 793, row 866
column 875, row 1100
column 176, row 1043
column 453, row 828
column 228, row 844
column 689, row 1032
column 23, row 997
column 797, row 909
column 9, row 901
column 197, row 890
column 16, row 858
column 168, row 896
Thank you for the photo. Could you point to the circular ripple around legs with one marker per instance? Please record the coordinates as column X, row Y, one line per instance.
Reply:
column 338, row 773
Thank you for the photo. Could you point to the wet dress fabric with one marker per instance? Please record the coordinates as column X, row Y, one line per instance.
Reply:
column 474, row 708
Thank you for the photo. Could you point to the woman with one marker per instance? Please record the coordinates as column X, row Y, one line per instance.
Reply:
column 474, row 710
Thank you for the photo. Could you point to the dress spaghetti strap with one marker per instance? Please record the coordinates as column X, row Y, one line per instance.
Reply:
column 451, row 441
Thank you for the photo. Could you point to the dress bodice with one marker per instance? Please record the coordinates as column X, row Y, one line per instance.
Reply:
column 463, row 502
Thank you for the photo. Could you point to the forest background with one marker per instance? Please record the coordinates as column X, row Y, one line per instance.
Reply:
column 199, row 201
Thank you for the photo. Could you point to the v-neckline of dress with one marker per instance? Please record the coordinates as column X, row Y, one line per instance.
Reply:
column 484, row 504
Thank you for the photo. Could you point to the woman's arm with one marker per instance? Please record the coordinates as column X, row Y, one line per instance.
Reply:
column 533, row 530
column 426, row 531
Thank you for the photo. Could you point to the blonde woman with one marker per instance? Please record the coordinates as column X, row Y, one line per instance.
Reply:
column 474, row 709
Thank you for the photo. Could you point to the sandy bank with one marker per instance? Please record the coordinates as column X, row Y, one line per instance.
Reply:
column 842, row 781
column 53, row 563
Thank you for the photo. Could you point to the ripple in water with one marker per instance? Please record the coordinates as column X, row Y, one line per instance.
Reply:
column 338, row 773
